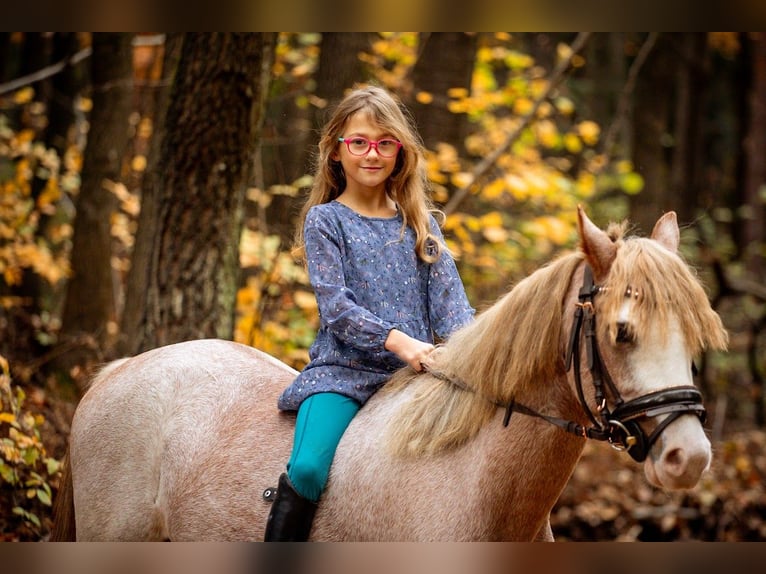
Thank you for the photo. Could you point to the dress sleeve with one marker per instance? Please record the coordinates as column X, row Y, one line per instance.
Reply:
column 448, row 305
column 338, row 308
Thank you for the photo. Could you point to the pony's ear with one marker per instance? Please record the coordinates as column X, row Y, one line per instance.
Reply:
column 666, row 232
column 599, row 249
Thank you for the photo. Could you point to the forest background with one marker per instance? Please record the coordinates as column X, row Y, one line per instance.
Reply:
column 150, row 185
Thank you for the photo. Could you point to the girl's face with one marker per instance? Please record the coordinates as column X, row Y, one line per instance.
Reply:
column 368, row 172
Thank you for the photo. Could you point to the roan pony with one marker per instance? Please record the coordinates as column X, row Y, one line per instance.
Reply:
column 183, row 441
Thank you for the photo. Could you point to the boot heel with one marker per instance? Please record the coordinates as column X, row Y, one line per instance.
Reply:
column 291, row 515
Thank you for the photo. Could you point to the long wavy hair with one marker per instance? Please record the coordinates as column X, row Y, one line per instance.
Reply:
column 408, row 185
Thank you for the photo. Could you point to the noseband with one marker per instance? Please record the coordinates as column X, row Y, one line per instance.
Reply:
column 621, row 426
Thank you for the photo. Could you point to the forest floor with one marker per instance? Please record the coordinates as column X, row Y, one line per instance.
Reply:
column 606, row 499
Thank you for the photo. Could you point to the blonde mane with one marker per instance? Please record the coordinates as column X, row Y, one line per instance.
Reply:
column 517, row 342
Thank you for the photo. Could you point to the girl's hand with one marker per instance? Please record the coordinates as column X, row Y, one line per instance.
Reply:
column 412, row 351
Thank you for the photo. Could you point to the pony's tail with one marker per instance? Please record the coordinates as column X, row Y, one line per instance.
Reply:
column 64, row 529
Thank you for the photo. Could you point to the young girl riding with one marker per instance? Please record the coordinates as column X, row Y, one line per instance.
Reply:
column 385, row 284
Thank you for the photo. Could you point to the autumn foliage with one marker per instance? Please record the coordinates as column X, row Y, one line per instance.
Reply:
column 501, row 223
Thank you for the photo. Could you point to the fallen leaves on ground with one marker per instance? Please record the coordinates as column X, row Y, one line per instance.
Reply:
column 608, row 498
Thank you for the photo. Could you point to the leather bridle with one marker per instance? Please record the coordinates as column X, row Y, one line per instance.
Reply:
column 620, row 426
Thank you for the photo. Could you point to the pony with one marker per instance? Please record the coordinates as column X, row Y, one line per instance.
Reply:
column 184, row 442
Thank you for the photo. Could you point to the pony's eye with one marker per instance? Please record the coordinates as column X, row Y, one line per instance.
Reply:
column 624, row 333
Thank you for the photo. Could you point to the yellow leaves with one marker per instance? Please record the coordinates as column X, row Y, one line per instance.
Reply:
column 492, row 227
column 424, row 97
column 37, row 256
column 547, row 133
column 305, row 300
column 494, row 189
column 138, row 163
column 276, row 310
column 12, row 275
column 516, row 60
column 523, row 106
column 23, row 96
column 589, row 132
column 564, row 51
column 73, row 159
column 517, row 186
column 458, row 93
column 49, row 196
column 84, row 104
column 572, row 143
column 632, row 183
column 564, row 105
column 25, row 468
column 392, row 56
column 461, row 179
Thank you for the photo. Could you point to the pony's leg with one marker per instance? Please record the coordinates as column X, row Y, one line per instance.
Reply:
column 545, row 534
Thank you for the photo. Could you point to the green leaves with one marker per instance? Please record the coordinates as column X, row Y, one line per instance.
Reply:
column 25, row 467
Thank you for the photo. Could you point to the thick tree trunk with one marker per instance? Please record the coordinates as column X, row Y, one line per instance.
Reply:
column 446, row 61
column 89, row 306
column 652, row 134
column 754, row 184
column 685, row 173
column 187, row 256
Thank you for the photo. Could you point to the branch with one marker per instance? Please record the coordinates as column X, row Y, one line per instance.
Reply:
column 627, row 91
column 46, row 72
column 484, row 166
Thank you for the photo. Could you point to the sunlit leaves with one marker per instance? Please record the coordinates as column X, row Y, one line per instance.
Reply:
column 391, row 57
column 25, row 466
column 726, row 505
column 276, row 309
column 552, row 165
column 24, row 161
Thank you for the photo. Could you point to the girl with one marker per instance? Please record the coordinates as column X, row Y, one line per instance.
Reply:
column 384, row 282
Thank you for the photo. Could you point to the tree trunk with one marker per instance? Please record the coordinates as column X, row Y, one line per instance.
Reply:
column 186, row 256
column 89, row 305
column 65, row 87
column 754, row 184
column 685, row 174
column 446, row 61
column 651, row 134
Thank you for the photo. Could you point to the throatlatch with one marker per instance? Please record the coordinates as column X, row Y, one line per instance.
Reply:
column 620, row 427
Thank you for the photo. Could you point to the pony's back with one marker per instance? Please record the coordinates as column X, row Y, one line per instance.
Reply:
column 169, row 437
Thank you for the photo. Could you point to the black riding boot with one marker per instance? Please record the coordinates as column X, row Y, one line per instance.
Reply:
column 291, row 515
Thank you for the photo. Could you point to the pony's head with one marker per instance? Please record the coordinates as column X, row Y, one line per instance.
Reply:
column 652, row 318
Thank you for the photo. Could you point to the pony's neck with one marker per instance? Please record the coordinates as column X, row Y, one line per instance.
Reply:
column 516, row 345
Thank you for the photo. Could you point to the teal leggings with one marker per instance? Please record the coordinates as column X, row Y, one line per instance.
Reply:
column 322, row 419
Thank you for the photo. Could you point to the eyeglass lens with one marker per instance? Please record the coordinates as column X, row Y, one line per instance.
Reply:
column 360, row 146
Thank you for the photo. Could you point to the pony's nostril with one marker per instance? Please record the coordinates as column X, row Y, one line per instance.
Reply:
column 675, row 461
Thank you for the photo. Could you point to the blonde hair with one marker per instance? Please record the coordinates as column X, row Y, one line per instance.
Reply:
column 407, row 186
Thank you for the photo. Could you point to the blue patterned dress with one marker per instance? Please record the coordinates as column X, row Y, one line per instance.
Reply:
column 367, row 281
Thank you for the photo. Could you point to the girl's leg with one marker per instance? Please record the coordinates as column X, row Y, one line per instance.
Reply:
column 322, row 419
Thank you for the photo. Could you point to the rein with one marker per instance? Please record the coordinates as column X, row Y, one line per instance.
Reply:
column 620, row 427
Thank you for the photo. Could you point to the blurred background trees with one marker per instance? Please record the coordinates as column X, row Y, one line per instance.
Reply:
column 150, row 185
